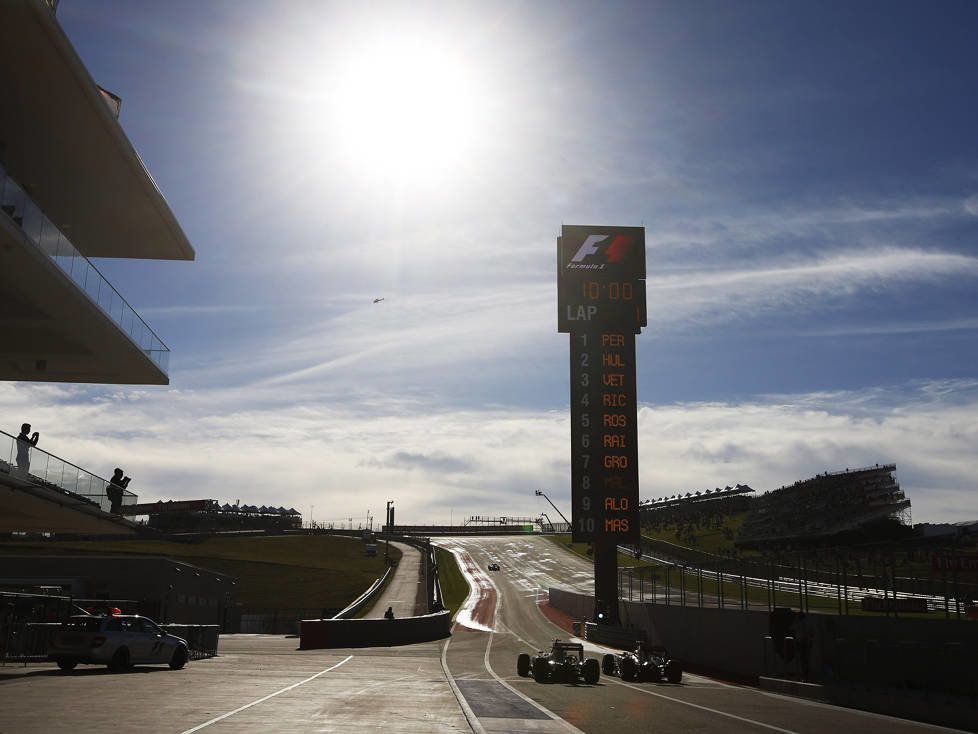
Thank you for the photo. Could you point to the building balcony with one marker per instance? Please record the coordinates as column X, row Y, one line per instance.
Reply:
column 48, row 471
column 62, row 320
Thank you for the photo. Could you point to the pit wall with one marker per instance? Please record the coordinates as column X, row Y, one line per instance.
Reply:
column 913, row 668
column 724, row 640
column 331, row 633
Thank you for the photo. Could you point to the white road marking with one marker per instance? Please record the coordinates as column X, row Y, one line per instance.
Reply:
column 265, row 698
column 701, row 708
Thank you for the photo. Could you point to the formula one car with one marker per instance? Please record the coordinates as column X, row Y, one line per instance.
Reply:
column 493, row 566
column 647, row 662
column 564, row 663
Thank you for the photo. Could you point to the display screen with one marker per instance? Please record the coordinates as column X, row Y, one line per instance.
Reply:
column 601, row 304
column 601, row 277
column 604, row 436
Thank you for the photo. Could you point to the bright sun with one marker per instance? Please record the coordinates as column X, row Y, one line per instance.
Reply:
column 406, row 108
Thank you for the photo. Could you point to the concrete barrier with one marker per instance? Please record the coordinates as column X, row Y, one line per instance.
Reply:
column 316, row 634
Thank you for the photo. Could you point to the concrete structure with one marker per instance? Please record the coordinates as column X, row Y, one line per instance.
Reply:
column 71, row 188
column 166, row 590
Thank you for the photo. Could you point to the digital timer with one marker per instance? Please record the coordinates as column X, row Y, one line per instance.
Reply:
column 612, row 290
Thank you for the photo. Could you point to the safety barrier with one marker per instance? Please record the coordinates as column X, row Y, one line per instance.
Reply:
column 201, row 638
column 25, row 642
column 331, row 633
column 621, row 637
column 365, row 598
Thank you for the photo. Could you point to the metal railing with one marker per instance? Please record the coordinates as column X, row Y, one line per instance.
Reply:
column 49, row 470
column 43, row 233
column 28, row 642
column 828, row 582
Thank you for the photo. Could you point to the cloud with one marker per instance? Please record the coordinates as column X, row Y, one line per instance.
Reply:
column 436, row 462
column 797, row 285
column 440, row 461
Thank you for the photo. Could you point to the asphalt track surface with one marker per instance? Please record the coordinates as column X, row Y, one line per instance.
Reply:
column 261, row 683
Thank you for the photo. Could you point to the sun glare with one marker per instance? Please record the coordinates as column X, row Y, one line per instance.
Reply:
column 406, row 108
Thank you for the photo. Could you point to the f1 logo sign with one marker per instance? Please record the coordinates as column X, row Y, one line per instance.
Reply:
column 589, row 247
column 616, row 250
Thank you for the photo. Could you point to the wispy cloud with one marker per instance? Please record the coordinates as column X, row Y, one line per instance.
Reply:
column 801, row 285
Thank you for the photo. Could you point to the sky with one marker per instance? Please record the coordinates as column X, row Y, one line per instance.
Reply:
column 806, row 173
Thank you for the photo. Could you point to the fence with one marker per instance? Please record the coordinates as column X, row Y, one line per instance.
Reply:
column 893, row 583
column 28, row 642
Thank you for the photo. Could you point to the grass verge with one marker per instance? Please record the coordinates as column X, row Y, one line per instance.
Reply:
column 273, row 572
column 454, row 587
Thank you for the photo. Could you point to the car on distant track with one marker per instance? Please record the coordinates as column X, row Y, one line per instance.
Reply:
column 564, row 663
column 118, row 641
column 493, row 566
column 645, row 663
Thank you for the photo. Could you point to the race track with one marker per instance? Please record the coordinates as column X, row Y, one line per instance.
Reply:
column 504, row 618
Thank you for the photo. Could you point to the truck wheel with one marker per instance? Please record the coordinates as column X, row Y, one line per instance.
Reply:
column 541, row 670
column 608, row 664
column 67, row 664
column 120, row 661
column 523, row 665
column 179, row 658
column 592, row 671
column 674, row 671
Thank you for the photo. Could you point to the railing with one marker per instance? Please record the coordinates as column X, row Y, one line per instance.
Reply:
column 829, row 582
column 49, row 470
column 24, row 642
column 15, row 202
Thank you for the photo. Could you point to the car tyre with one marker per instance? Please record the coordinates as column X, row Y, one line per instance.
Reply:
column 592, row 671
column 67, row 664
column 541, row 670
column 629, row 668
column 608, row 664
column 179, row 658
column 523, row 665
column 120, row 661
column 674, row 671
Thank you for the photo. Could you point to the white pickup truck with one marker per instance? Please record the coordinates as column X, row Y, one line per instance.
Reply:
column 119, row 641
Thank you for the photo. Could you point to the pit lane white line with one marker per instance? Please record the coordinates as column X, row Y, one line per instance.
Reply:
column 555, row 721
column 265, row 698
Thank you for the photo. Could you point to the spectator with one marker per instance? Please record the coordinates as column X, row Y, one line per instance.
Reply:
column 114, row 491
column 25, row 441
column 389, row 614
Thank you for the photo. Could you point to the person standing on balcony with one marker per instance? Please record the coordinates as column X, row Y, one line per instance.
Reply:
column 114, row 491
column 25, row 441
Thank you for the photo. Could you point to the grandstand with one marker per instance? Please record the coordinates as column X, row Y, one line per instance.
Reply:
column 210, row 515
column 697, row 506
column 688, row 515
column 838, row 507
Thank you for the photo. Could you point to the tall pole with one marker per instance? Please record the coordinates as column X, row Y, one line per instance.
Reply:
column 601, row 307
column 389, row 527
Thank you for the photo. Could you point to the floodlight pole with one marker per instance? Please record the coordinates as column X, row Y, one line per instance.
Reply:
column 541, row 494
column 389, row 523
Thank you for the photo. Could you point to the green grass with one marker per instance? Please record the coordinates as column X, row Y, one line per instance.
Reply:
column 454, row 587
column 273, row 572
